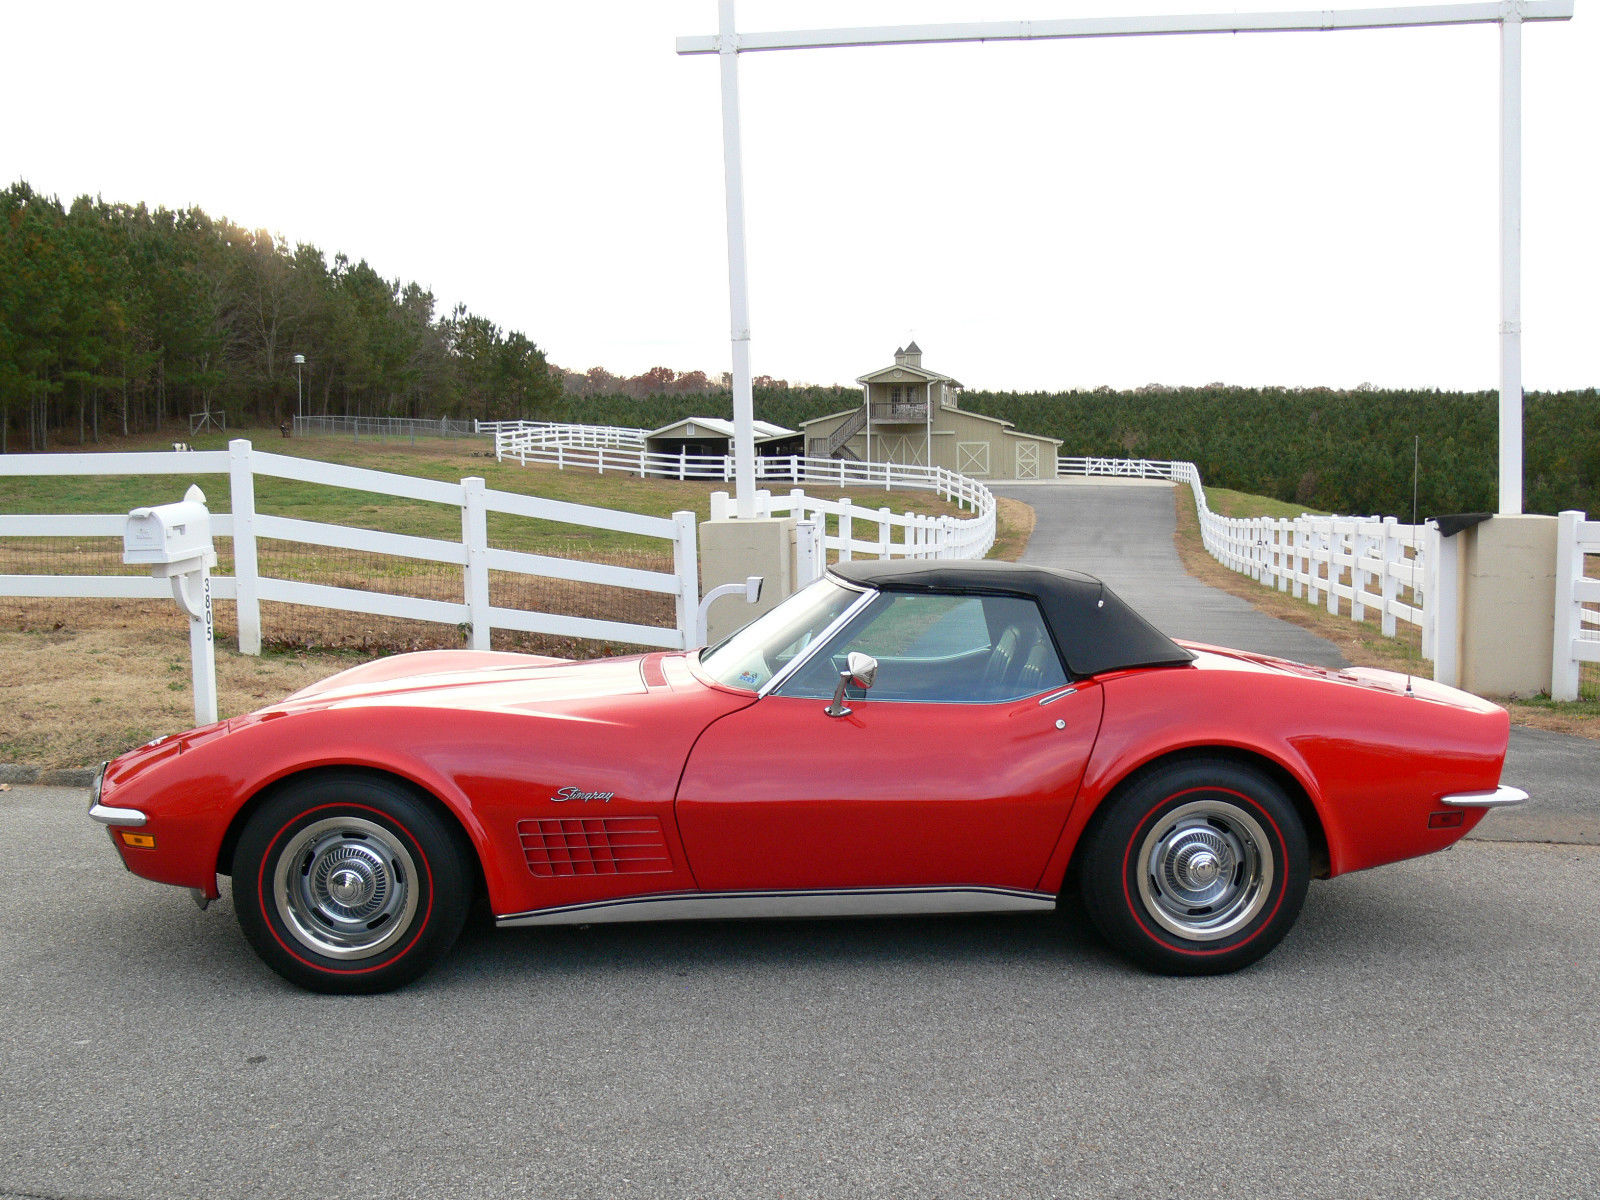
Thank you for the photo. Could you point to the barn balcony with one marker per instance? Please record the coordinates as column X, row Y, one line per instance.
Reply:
column 900, row 414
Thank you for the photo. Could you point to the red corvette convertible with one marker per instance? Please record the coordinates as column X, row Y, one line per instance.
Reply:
column 896, row 738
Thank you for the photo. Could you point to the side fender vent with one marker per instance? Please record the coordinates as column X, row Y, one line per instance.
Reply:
column 561, row 846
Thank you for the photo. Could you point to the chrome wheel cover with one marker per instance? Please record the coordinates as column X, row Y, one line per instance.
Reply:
column 345, row 887
column 1205, row 870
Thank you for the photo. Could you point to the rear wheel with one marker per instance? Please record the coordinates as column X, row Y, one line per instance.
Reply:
column 1198, row 868
column 350, row 884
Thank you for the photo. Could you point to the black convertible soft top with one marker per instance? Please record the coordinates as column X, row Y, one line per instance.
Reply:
column 1094, row 629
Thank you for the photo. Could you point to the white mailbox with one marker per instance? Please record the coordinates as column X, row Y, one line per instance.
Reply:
column 171, row 539
column 174, row 541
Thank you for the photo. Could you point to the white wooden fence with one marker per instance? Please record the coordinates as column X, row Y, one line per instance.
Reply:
column 1577, row 632
column 1365, row 562
column 533, row 436
column 473, row 554
column 918, row 536
column 851, row 530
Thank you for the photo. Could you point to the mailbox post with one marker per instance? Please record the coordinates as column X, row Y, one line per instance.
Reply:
column 174, row 541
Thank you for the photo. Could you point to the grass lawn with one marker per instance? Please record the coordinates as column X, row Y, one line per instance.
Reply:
column 448, row 459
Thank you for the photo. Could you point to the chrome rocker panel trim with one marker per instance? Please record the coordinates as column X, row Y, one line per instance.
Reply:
column 1499, row 798
column 854, row 902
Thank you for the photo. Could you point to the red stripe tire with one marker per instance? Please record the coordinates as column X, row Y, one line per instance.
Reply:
column 350, row 883
column 1197, row 868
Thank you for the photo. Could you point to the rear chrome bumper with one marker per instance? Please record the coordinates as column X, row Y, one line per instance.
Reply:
column 1498, row 798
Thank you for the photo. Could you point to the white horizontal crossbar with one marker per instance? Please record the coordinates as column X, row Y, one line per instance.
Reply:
column 373, row 541
column 1138, row 26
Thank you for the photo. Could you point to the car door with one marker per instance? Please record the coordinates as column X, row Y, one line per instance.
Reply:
column 957, row 769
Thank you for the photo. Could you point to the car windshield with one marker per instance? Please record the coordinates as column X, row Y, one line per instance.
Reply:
column 762, row 648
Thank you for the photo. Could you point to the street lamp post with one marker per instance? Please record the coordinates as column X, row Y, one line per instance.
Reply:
column 299, row 392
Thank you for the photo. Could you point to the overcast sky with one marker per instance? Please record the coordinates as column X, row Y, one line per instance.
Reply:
column 1296, row 209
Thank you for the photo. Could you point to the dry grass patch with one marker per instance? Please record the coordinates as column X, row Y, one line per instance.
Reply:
column 77, row 696
column 1013, row 526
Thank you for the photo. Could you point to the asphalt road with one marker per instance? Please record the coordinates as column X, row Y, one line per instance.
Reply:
column 1427, row 1030
column 1123, row 534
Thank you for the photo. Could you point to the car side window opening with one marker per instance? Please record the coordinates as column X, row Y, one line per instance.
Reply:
column 940, row 649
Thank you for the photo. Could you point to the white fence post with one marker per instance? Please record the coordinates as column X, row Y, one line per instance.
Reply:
column 475, row 537
column 1391, row 565
column 845, row 532
column 1358, row 577
column 247, row 602
column 686, row 566
column 1564, row 669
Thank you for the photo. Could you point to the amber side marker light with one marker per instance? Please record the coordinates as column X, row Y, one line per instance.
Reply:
column 1450, row 819
column 139, row 841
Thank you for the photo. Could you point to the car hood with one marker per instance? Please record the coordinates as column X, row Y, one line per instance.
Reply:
column 472, row 679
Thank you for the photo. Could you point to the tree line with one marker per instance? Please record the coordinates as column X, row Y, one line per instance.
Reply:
column 1340, row 451
column 121, row 317
column 116, row 316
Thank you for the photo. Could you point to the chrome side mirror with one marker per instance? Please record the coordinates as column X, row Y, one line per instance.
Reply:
column 861, row 670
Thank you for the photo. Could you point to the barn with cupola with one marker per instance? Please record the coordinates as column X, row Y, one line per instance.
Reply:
column 911, row 414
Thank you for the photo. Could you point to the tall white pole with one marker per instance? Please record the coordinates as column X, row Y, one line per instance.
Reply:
column 1511, row 259
column 744, row 441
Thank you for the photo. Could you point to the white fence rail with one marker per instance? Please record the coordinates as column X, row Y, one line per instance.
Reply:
column 1577, row 609
column 918, row 536
column 1121, row 468
column 473, row 554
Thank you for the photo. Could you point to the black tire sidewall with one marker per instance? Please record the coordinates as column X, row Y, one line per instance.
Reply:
column 442, row 900
column 1110, row 883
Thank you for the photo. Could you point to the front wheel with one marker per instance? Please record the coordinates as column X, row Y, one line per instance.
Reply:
column 350, row 884
column 1199, row 868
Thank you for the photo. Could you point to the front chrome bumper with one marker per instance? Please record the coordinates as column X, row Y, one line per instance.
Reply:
column 1499, row 798
column 130, row 818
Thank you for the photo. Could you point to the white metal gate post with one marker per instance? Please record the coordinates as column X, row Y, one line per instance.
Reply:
column 1508, row 14
column 246, row 572
column 744, row 443
column 1511, row 257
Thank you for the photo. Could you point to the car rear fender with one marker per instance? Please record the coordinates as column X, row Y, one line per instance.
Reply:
column 1102, row 786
